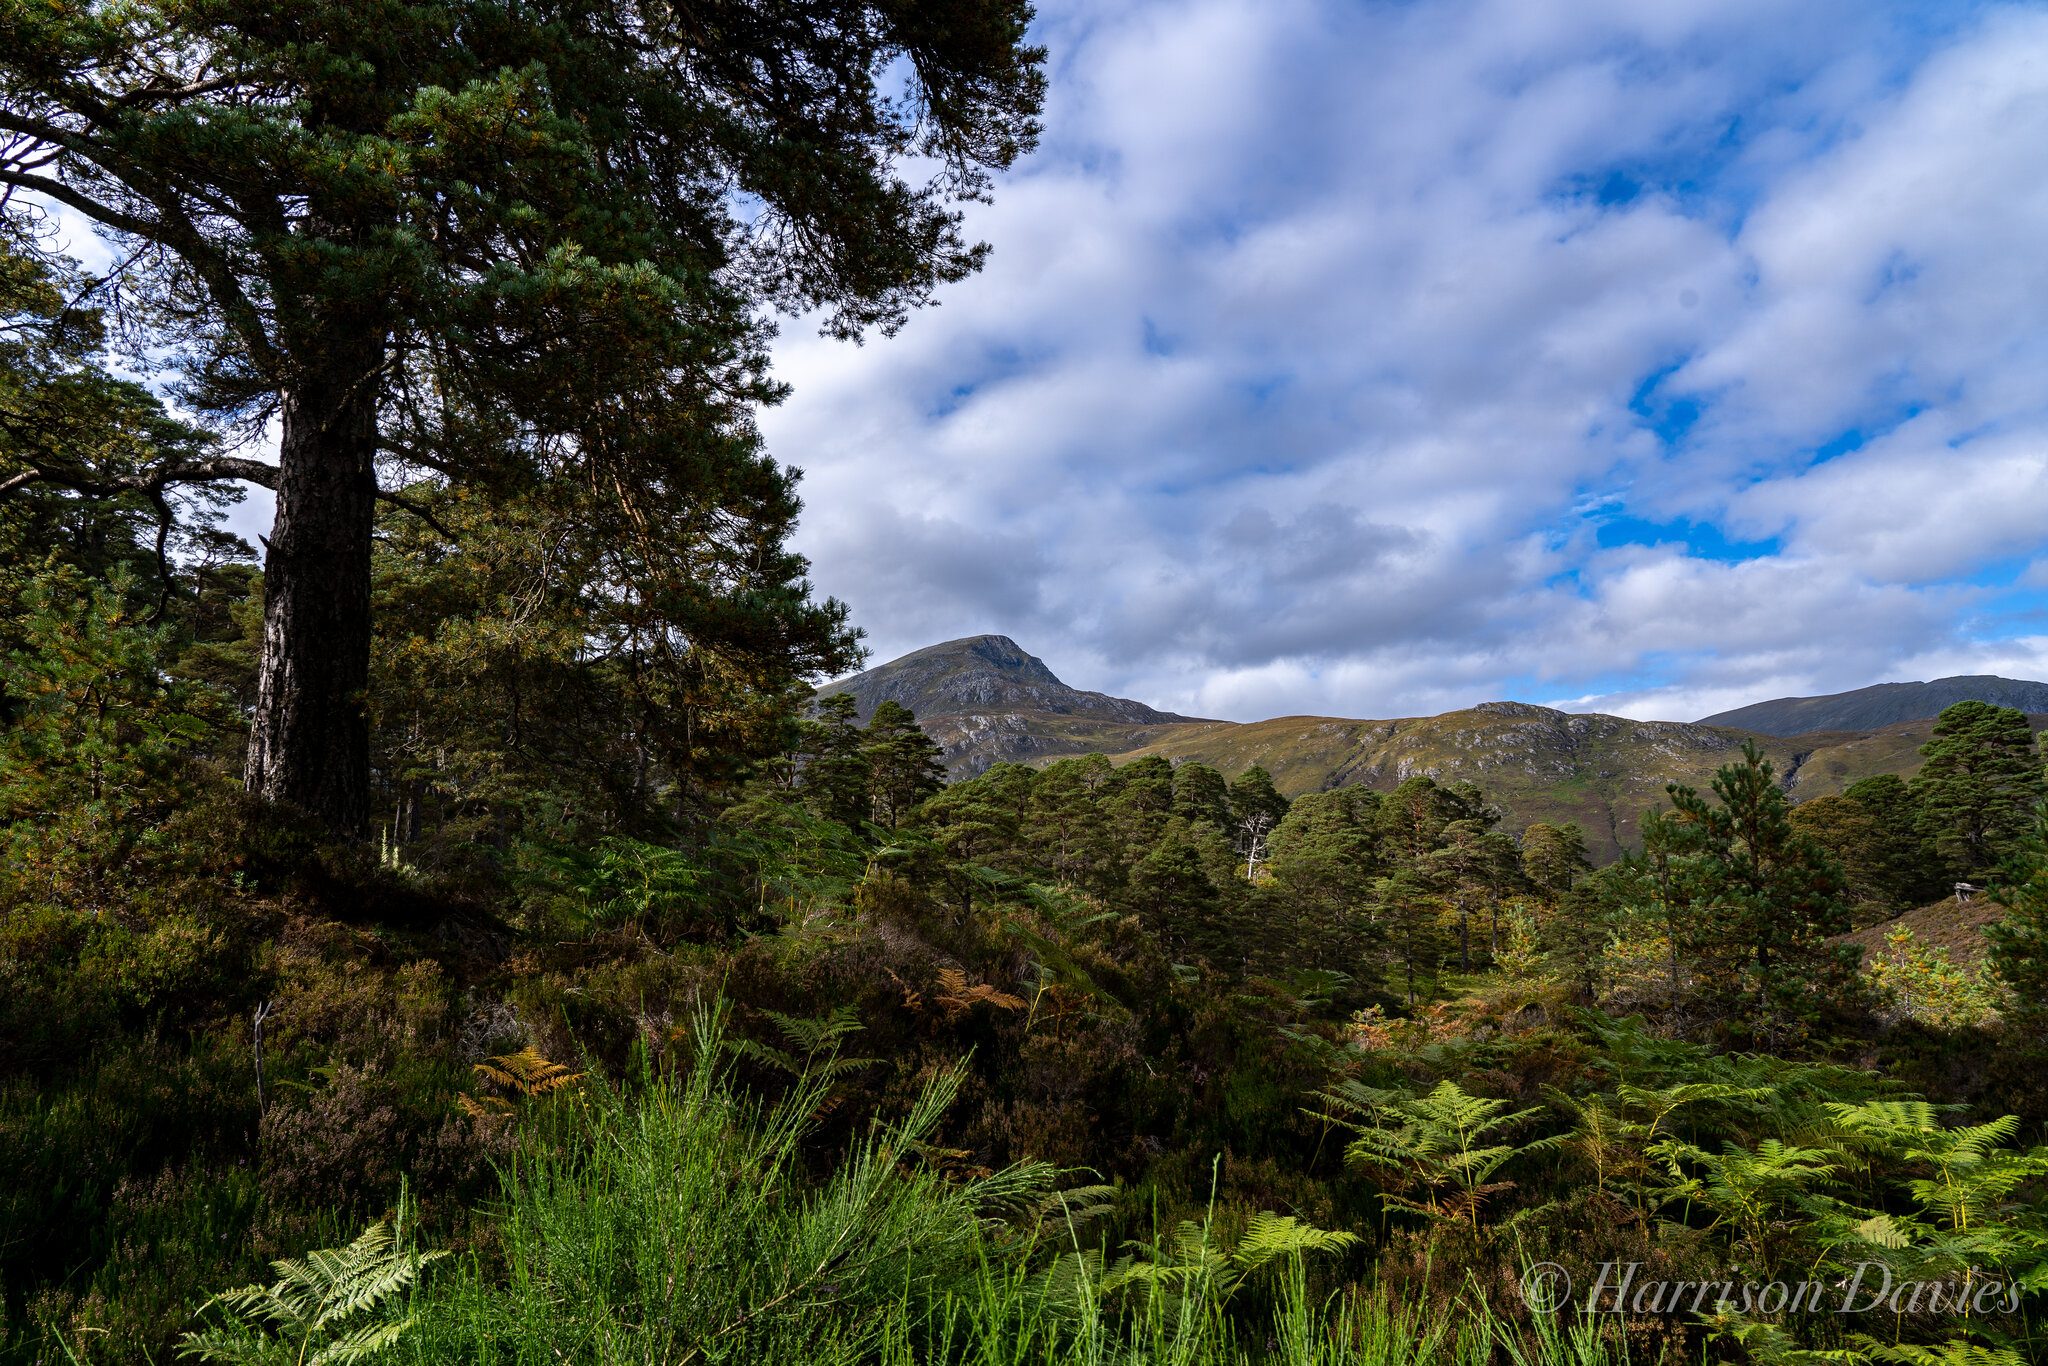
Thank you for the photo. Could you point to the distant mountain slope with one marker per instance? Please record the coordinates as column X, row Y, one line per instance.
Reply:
column 986, row 701
column 1536, row 763
column 1883, row 704
column 1539, row 764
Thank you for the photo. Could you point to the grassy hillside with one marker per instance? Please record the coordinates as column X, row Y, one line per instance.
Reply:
column 1947, row 924
column 1538, row 764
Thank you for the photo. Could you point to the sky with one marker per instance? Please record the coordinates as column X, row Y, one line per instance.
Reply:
column 1375, row 359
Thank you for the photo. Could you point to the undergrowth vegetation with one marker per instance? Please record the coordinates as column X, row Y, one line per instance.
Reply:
column 1034, row 1075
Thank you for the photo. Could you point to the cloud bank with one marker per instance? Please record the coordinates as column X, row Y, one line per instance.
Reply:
column 1374, row 359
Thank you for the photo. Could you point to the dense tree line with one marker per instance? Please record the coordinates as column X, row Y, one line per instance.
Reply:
column 1732, row 909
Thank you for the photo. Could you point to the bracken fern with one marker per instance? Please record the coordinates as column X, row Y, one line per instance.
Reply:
column 303, row 1317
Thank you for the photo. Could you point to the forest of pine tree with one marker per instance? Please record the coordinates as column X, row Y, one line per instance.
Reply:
column 454, row 930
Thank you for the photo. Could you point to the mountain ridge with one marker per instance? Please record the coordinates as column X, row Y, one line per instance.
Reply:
column 985, row 700
column 1880, row 704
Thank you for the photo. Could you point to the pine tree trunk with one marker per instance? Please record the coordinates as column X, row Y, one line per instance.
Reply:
column 309, row 742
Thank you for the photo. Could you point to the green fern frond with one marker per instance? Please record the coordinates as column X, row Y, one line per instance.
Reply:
column 1887, row 1118
column 312, row 1295
column 1881, row 1230
column 222, row 1344
column 1195, row 1264
column 1030, row 1190
column 813, row 1044
column 820, row 1034
column 1082, row 1204
column 1444, row 1143
column 1956, row 1352
column 1025, row 1188
column 1269, row 1236
column 359, row 1344
column 1768, row 1344
column 767, row 1054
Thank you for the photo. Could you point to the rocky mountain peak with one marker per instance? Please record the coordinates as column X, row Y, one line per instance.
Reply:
column 1000, row 653
column 983, row 676
column 1524, row 709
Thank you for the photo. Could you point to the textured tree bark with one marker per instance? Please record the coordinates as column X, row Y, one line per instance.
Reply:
column 309, row 742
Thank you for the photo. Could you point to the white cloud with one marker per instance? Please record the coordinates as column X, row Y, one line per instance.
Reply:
column 1315, row 330
column 1903, row 266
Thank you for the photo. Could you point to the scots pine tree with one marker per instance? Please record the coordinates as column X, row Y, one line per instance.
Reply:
column 975, row 825
column 62, row 408
column 1476, row 867
column 1409, row 912
column 904, row 764
column 2019, row 942
column 1143, row 802
column 1904, row 863
column 94, row 751
column 1554, row 858
column 835, row 773
column 1324, row 858
column 1201, row 794
column 531, row 671
column 1878, row 876
column 498, row 246
column 1575, row 933
column 1254, row 794
column 1413, row 816
column 1674, row 878
column 1178, row 895
column 1256, row 807
column 1980, row 784
column 1065, row 828
column 1765, row 901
